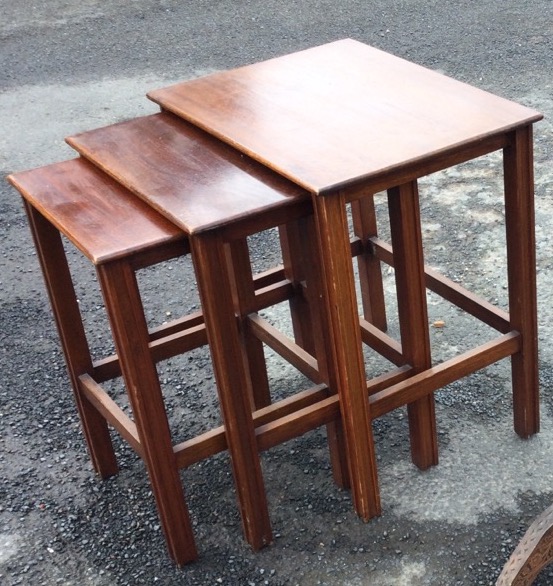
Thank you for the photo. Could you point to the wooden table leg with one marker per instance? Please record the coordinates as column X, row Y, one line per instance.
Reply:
column 521, row 268
column 295, row 264
column 301, row 262
column 346, row 366
column 214, row 284
column 370, row 271
column 403, row 203
column 243, row 290
column 68, row 318
column 130, row 333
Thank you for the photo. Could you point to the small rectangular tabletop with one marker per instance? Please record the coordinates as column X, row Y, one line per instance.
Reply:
column 341, row 113
column 110, row 222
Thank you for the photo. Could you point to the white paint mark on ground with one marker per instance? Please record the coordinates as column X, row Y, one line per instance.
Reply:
column 8, row 546
column 483, row 468
column 31, row 115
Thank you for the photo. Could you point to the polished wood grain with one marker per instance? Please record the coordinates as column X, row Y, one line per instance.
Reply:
column 61, row 291
column 336, row 115
column 310, row 321
column 79, row 200
column 130, row 334
column 218, row 197
column 337, row 123
column 225, row 342
column 82, row 202
column 195, row 181
column 346, row 370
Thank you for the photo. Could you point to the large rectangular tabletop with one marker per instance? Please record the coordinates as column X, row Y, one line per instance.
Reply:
column 341, row 113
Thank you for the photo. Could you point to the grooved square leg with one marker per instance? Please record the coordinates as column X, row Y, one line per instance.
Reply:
column 301, row 262
column 69, row 322
column 521, row 270
column 346, row 367
column 403, row 203
column 214, row 283
column 130, row 333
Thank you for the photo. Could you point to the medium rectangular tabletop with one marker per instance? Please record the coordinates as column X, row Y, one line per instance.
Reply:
column 196, row 181
column 333, row 115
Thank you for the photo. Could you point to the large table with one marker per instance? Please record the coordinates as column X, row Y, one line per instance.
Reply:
column 345, row 121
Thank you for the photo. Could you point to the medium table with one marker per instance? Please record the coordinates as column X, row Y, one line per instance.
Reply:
column 344, row 121
column 217, row 198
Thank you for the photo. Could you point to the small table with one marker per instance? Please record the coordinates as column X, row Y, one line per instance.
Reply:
column 344, row 120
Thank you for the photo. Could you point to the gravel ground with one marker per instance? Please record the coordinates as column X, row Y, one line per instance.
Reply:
column 67, row 66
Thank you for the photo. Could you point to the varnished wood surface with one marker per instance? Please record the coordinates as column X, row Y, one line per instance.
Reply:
column 329, row 116
column 521, row 271
column 322, row 125
column 83, row 202
column 403, row 205
column 130, row 334
column 60, row 288
column 343, row 118
column 231, row 375
column 533, row 553
column 97, row 214
column 196, row 181
column 346, row 369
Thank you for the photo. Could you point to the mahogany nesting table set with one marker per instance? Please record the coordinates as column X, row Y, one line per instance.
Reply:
column 294, row 143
